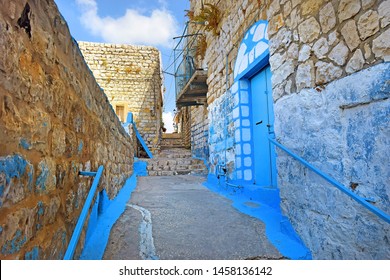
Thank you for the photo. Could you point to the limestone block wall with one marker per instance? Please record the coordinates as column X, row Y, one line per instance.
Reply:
column 330, row 90
column 54, row 121
column 199, row 132
column 131, row 78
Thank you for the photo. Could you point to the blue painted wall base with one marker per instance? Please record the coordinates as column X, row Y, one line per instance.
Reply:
column 278, row 228
column 103, row 217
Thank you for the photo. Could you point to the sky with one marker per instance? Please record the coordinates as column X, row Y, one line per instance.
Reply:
column 135, row 22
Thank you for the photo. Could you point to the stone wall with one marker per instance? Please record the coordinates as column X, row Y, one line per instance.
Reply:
column 54, row 121
column 131, row 78
column 199, row 132
column 330, row 92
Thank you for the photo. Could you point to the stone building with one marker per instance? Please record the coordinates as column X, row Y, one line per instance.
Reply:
column 55, row 121
column 312, row 75
column 131, row 78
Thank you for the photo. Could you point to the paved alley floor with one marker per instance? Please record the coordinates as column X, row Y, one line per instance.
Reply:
column 177, row 218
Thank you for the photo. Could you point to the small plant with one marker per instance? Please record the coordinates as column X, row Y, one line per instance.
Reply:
column 209, row 15
column 104, row 62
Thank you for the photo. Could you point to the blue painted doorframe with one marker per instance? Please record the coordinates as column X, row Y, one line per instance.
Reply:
column 262, row 126
column 253, row 112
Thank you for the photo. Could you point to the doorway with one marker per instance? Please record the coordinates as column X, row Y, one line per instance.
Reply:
column 263, row 124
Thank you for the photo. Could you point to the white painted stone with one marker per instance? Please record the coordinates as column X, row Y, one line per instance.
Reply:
column 247, row 161
column 339, row 54
column 240, row 57
column 244, row 85
column 244, row 111
column 236, row 113
column 237, row 136
column 304, row 53
column 327, row 18
column 260, row 48
column 327, row 72
column 244, row 64
column 252, row 30
column 237, row 124
column 251, row 56
column 246, row 122
column 236, row 99
column 259, row 33
column 350, row 34
column 305, row 77
column 348, row 8
column 235, row 88
column 246, row 134
column 384, row 13
column 309, row 30
column 381, row 46
column 368, row 24
column 321, row 48
column 247, row 175
column 238, row 149
column 355, row 63
column 266, row 33
column 247, row 149
column 244, row 97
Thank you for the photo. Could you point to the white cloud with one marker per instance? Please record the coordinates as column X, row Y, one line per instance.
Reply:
column 156, row 29
column 168, row 121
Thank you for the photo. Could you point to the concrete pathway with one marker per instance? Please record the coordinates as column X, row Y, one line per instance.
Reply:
column 177, row 218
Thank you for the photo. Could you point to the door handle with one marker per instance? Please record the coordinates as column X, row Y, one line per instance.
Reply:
column 259, row 122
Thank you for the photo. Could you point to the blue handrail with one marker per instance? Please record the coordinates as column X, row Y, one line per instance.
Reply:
column 84, row 212
column 338, row 185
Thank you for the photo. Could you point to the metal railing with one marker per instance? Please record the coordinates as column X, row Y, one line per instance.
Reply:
column 84, row 212
column 184, row 54
column 384, row 216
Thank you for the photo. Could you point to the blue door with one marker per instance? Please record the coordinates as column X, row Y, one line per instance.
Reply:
column 263, row 121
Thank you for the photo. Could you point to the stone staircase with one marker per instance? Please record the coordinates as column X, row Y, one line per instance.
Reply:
column 174, row 159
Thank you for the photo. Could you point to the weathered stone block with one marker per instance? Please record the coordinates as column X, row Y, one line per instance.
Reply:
column 327, row 18
column 348, row 8
column 339, row 53
column 326, row 72
column 304, row 53
column 309, row 30
column 356, row 62
column 321, row 48
column 368, row 24
column 381, row 46
column 384, row 13
column 350, row 34
column 305, row 77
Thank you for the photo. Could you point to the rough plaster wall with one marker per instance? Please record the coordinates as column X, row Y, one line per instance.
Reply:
column 344, row 131
column 313, row 43
column 54, row 121
column 131, row 77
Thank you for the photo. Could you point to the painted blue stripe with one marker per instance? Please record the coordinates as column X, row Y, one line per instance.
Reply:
column 384, row 216
column 87, row 173
column 142, row 141
column 84, row 212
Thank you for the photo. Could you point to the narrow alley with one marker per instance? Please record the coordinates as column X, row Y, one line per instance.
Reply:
column 188, row 222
